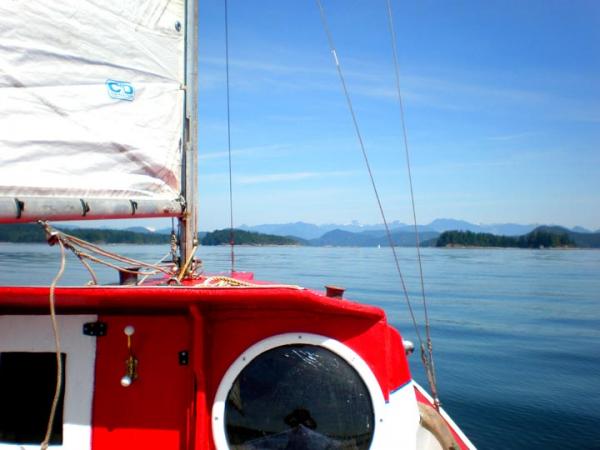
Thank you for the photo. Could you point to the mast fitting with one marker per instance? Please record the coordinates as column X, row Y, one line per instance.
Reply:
column 20, row 206
column 134, row 206
column 85, row 207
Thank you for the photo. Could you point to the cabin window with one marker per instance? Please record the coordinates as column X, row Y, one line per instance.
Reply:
column 301, row 397
column 27, row 386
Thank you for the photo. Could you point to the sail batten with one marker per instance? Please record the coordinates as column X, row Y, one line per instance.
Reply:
column 92, row 98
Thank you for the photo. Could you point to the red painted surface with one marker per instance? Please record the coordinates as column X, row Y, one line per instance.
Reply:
column 169, row 406
column 153, row 412
column 200, row 419
column 14, row 300
column 397, row 363
column 234, row 331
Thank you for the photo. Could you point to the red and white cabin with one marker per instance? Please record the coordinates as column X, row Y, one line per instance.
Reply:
column 248, row 367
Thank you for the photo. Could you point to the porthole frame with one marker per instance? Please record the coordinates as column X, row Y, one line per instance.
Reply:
column 333, row 345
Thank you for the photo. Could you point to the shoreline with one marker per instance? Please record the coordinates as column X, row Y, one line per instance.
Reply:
column 465, row 247
column 448, row 247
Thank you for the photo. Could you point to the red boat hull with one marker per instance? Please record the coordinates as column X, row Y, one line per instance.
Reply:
column 169, row 405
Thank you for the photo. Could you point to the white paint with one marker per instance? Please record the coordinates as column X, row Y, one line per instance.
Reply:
column 34, row 334
column 401, row 423
column 396, row 422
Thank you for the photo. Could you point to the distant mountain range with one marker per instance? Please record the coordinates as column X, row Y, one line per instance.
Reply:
column 542, row 236
column 308, row 231
column 311, row 231
column 367, row 236
column 372, row 238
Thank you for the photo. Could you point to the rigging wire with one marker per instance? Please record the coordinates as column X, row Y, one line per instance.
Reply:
column 87, row 251
column 231, row 232
column 430, row 366
column 366, row 160
column 94, row 280
column 161, row 260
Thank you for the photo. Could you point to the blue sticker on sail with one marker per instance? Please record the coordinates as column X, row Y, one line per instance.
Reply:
column 121, row 90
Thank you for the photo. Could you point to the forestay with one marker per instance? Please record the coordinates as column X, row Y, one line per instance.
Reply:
column 92, row 108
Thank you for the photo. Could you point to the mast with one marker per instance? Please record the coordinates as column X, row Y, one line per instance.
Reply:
column 188, row 222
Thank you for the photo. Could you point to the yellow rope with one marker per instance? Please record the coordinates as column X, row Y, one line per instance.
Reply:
column 224, row 281
column 184, row 269
column 59, row 367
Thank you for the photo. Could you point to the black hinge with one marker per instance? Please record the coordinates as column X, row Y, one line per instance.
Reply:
column 95, row 328
column 184, row 358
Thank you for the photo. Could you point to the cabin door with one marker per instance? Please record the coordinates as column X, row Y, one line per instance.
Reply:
column 28, row 382
column 155, row 409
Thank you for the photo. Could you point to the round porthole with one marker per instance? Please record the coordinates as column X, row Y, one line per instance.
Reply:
column 300, row 396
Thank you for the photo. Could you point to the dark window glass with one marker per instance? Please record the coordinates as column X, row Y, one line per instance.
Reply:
column 299, row 397
column 27, row 385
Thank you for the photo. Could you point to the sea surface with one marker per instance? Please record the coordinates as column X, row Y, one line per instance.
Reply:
column 516, row 333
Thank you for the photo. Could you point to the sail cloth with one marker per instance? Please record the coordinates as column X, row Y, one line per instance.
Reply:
column 92, row 97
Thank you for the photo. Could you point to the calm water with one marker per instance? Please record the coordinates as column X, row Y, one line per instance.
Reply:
column 516, row 332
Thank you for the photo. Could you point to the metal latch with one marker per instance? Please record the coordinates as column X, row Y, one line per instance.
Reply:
column 184, row 358
column 95, row 328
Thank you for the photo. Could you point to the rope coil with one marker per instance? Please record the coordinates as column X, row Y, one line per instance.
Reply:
column 225, row 281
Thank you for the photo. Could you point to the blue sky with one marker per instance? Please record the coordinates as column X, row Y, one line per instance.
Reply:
column 502, row 102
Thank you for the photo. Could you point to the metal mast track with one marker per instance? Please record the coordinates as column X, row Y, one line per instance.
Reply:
column 188, row 223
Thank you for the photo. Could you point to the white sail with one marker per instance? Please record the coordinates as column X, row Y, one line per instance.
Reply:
column 92, row 103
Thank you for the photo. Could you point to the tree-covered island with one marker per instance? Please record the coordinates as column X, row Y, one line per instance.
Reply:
column 241, row 237
column 538, row 238
column 32, row 233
